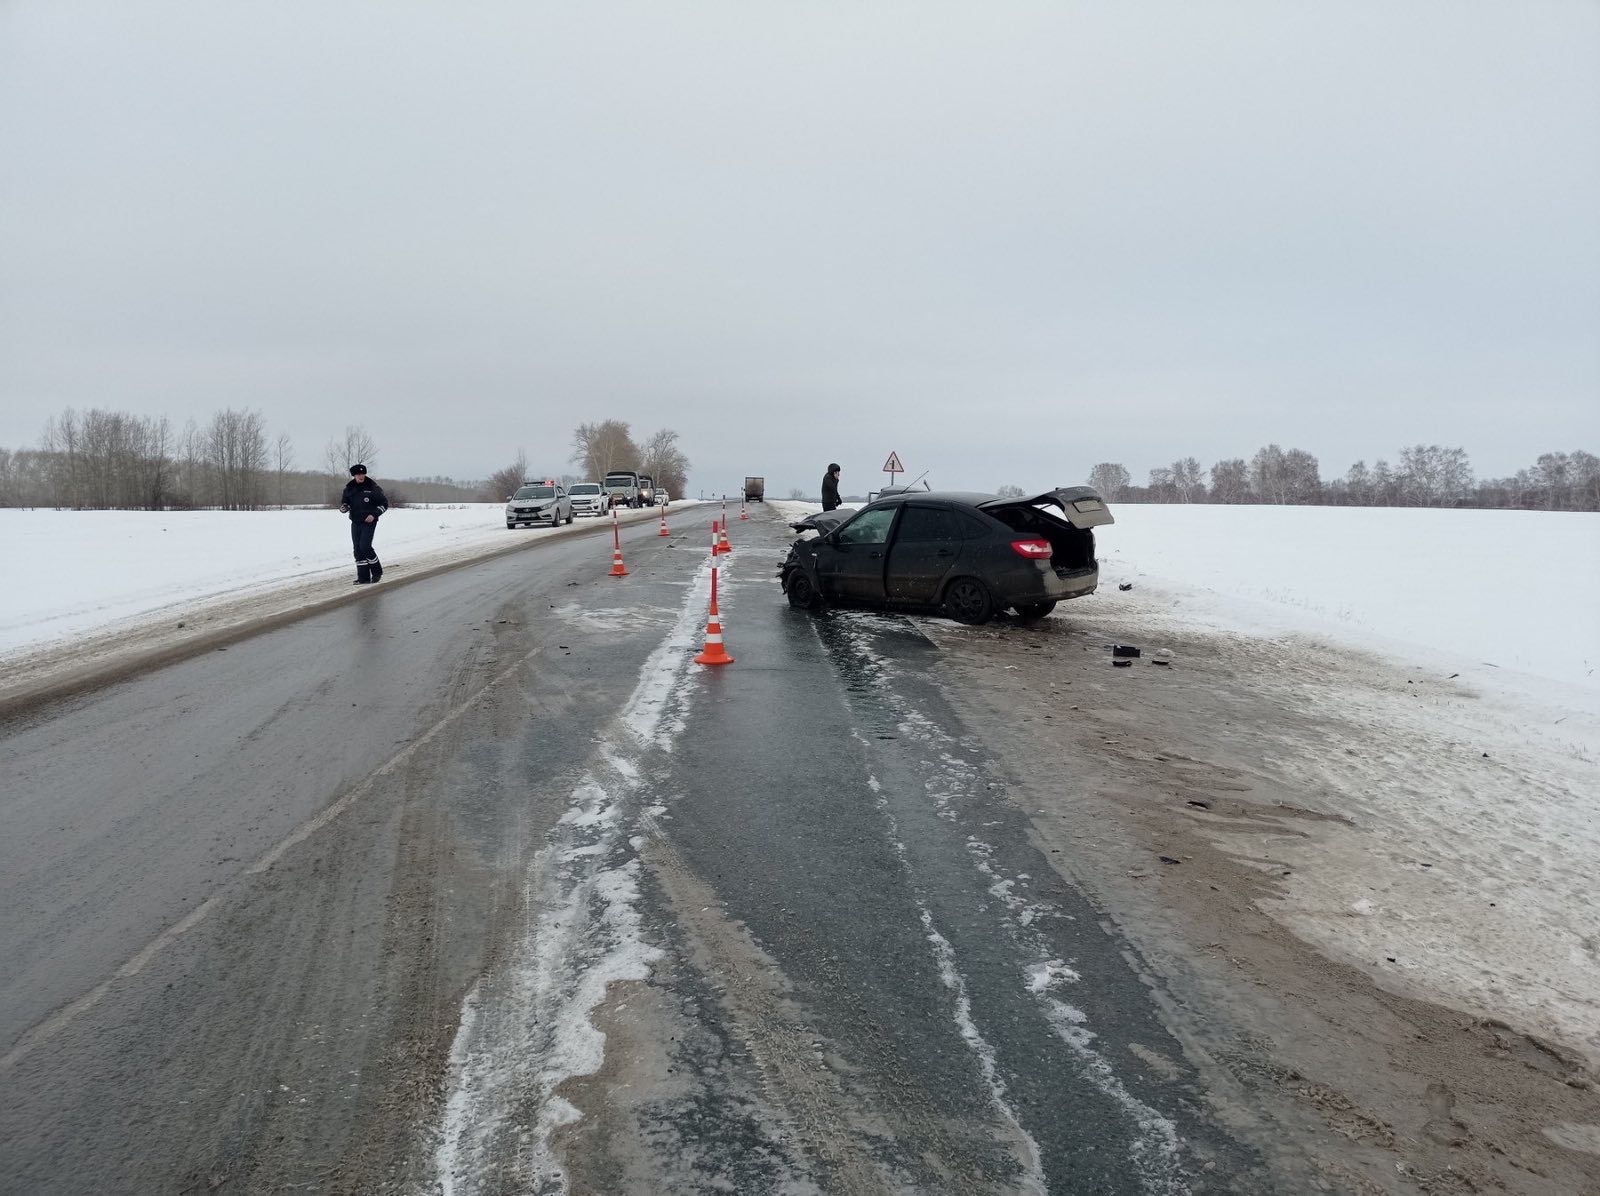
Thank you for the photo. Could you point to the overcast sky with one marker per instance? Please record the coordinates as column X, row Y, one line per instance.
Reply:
column 1007, row 240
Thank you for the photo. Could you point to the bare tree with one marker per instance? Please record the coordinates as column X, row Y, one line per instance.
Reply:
column 1357, row 488
column 1584, row 470
column 1230, row 481
column 153, row 464
column 1161, row 488
column 356, row 446
column 1385, row 485
column 1010, row 491
column 664, row 461
column 236, row 452
column 63, row 441
column 503, row 482
column 1109, row 480
column 1301, row 476
column 282, row 463
column 601, row 447
column 1269, row 474
column 107, row 459
column 1186, row 480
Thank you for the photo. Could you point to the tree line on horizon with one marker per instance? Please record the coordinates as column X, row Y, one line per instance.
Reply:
column 114, row 460
column 1424, row 475
column 599, row 448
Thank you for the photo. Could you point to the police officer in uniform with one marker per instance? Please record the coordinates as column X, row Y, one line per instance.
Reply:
column 363, row 500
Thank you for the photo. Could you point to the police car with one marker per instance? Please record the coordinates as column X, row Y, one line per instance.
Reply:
column 539, row 502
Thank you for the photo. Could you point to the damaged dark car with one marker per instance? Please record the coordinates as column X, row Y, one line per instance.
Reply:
column 967, row 555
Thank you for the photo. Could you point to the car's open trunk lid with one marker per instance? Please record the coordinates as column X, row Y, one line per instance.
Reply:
column 1080, row 506
column 1062, row 516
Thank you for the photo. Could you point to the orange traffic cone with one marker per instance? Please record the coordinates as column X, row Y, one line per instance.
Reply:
column 743, row 514
column 723, row 545
column 716, row 544
column 713, row 652
column 618, row 569
column 663, row 531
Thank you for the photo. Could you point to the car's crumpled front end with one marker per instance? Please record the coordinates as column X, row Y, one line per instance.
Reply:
column 802, row 559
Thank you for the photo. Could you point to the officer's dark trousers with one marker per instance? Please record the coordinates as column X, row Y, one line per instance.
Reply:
column 361, row 537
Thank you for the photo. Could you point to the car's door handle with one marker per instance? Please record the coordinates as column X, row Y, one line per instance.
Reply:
column 945, row 552
column 873, row 556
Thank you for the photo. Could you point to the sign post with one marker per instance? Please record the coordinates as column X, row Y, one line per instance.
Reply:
column 892, row 466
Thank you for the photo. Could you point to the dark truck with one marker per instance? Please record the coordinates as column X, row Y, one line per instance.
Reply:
column 755, row 490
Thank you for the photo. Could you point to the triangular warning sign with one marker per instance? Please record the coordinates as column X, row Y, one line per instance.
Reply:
column 892, row 465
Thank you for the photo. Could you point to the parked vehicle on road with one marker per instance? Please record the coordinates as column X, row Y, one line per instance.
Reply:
column 623, row 487
column 589, row 498
column 968, row 555
column 539, row 502
column 647, row 490
column 755, row 490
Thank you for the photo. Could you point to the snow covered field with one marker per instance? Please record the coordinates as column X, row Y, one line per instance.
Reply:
column 1501, row 605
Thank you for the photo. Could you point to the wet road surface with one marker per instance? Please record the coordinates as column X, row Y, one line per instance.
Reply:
column 477, row 885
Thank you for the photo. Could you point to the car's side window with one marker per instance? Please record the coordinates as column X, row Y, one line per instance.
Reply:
column 869, row 527
column 928, row 525
column 970, row 528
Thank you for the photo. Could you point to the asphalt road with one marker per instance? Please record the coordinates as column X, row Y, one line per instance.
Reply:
column 348, row 906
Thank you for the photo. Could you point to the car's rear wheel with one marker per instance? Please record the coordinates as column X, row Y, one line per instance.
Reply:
column 966, row 600
column 1035, row 610
column 802, row 594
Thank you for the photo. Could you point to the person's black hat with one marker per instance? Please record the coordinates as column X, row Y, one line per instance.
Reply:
column 357, row 468
column 834, row 468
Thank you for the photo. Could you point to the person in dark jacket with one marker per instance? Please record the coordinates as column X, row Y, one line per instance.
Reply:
column 830, row 488
column 363, row 500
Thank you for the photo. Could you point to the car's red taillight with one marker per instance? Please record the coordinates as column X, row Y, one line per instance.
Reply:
column 1037, row 550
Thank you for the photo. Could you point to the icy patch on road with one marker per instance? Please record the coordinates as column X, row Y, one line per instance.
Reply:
column 613, row 619
column 1034, row 1180
column 1045, row 974
column 945, row 956
column 525, row 1028
column 1154, row 1147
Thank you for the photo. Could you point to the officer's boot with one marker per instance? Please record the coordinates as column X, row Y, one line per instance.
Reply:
column 377, row 568
column 363, row 573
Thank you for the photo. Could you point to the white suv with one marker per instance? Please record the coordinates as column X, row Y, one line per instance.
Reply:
column 590, row 498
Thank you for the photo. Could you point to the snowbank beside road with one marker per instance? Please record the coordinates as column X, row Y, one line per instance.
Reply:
column 73, row 572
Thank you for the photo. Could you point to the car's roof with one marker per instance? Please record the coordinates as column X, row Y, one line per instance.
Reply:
column 969, row 498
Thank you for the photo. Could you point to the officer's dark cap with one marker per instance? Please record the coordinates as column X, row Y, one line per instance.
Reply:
column 357, row 468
